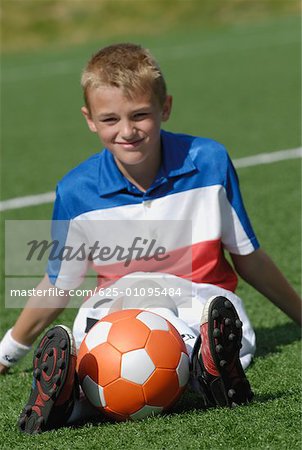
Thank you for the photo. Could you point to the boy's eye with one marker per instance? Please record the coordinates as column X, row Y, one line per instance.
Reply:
column 140, row 116
column 109, row 120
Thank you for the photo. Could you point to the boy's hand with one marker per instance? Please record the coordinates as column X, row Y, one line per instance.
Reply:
column 3, row 369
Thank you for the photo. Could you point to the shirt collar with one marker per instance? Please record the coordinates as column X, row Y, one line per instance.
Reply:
column 176, row 161
column 111, row 180
column 176, row 154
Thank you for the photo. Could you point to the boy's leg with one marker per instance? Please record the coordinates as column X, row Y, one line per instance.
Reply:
column 217, row 373
column 54, row 385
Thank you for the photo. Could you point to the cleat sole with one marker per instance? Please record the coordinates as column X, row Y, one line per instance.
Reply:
column 216, row 333
column 215, row 314
column 50, row 334
column 38, row 353
column 228, row 304
column 61, row 364
column 49, row 382
column 44, row 366
column 231, row 387
column 238, row 323
column 63, row 344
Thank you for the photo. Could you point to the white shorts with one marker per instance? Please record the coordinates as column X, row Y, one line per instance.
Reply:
column 178, row 300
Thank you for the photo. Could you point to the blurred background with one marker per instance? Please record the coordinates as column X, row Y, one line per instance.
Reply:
column 233, row 67
column 28, row 24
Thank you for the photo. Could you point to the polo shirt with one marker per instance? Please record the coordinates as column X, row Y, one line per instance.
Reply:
column 193, row 210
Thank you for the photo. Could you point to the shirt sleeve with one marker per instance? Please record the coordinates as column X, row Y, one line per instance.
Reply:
column 238, row 236
column 68, row 261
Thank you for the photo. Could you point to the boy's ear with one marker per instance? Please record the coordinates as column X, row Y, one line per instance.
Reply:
column 166, row 111
column 86, row 113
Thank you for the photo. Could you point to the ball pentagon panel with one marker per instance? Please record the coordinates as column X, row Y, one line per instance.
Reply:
column 163, row 349
column 128, row 334
column 93, row 392
column 97, row 335
column 153, row 321
column 123, row 314
column 137, row 366
column 109, row 363
column 146, row 411
column 183, row 370
column 162, row 388
column 124, row 397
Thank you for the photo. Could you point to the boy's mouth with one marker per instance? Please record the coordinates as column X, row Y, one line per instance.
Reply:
column 130, row 144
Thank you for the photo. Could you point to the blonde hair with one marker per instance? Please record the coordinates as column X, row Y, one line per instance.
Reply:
column 127, row 66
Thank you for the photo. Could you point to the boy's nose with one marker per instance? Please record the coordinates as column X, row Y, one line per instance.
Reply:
column 127, row 131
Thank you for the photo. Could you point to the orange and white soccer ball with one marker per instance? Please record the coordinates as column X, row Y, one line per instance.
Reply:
column 133, row 363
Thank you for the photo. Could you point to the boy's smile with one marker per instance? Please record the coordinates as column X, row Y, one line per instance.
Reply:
column 130, row 129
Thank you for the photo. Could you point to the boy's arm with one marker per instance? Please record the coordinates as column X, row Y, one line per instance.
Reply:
column 261, row 272
column 38, row 313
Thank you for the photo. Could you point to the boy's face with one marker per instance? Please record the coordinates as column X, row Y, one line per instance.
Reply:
column 129, row 128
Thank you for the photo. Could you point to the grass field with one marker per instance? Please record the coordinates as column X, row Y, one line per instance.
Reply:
column 239, row 85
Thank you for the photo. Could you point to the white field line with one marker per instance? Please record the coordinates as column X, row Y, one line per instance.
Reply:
column 28, row 200
column 268, row 158
column 249, row 161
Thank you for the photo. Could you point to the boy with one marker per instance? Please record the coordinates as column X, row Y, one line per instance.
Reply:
column 147, row 174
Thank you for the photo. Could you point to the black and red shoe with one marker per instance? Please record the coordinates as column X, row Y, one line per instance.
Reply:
column 54, row 385
column 216, row 369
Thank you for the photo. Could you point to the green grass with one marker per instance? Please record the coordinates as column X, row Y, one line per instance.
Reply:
column 238, row 85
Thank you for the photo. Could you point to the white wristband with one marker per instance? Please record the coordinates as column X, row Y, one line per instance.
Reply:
column 11, row 351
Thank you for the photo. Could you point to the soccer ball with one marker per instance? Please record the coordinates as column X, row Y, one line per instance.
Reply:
column 133, row 363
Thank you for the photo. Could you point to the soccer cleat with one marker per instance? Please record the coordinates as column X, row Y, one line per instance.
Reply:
column 216, row 369
column 54, row 385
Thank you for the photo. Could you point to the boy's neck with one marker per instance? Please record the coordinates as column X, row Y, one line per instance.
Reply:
column 141, row 175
